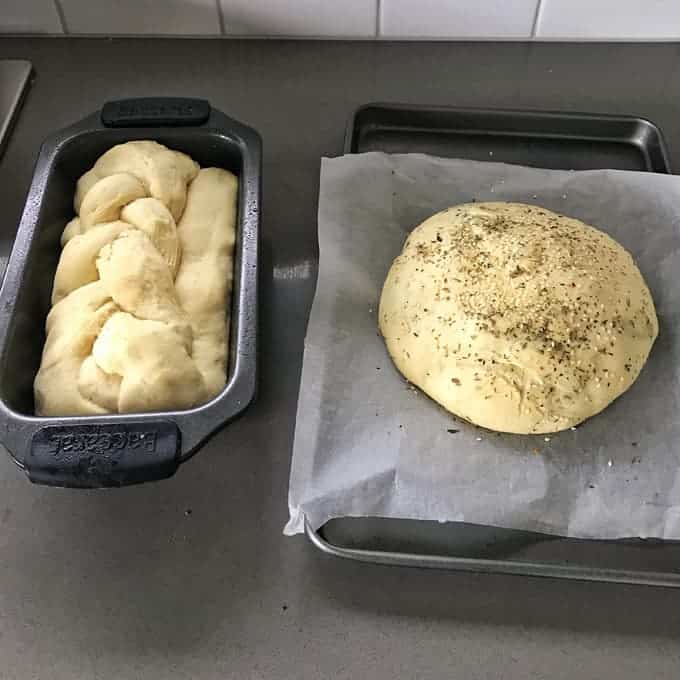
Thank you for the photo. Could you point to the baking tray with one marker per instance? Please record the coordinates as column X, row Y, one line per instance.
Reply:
column 534, row 138
column 115, row 450
column 544, row 139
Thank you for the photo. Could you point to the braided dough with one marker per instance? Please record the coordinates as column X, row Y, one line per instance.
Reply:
column 141, row 294
column 516, row 318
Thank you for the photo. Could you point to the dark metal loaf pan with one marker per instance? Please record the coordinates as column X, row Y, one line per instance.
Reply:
column 99, row 451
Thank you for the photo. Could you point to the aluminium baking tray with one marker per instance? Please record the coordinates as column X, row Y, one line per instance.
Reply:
column 535, row 138
column 116, row 450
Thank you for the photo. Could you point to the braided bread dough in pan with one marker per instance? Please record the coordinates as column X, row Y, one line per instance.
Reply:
column 140, row 316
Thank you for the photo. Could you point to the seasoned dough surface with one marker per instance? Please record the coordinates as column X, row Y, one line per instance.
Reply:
column 516, row 318
column 141, row 294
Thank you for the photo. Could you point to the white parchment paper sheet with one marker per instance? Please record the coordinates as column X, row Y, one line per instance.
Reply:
column 367, row 444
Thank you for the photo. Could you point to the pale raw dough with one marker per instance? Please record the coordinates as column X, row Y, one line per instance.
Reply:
column 516, row 318
column 206, row 274
column 163, row 173
column 141, row 293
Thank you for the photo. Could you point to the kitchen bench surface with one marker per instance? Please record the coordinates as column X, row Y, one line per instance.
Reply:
column 191, row 578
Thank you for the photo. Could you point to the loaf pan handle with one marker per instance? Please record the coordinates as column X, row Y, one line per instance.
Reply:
column 111, row 454
column 155, row 111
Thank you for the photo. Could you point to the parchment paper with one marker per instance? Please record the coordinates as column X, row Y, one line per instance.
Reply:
column 368, row 444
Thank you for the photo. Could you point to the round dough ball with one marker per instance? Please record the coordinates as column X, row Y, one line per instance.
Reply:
column 516, row 318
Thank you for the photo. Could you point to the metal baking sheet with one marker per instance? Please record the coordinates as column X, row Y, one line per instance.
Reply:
column 542, row 139
column 552, row 140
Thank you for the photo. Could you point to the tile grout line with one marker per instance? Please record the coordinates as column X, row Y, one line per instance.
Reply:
column 61, row 15
column 220, row 17
column 378, row 18
column 537, row 16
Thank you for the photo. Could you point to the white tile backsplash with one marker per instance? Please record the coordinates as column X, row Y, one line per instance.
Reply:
column 141, row 17
column 29, row 16
column 386, row 19
column 442, row 19
column 609, row 20
column 309, row 18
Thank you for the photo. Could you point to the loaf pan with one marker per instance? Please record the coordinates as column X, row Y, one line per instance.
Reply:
column 116, row 450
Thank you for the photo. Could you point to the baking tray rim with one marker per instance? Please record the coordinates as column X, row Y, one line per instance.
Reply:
column 532, row 568
column 536, row 114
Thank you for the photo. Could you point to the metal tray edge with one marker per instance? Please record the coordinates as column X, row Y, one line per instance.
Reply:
column 489, row 566
column 550, row 113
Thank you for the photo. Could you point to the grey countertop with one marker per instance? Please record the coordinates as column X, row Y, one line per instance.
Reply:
column 191, row 578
